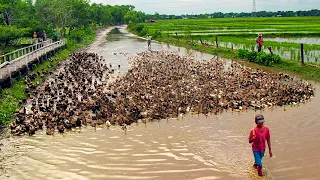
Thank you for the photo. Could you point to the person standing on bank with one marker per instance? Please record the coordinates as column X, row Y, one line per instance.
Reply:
column 149, row 41
column 258, row 137
column 259, row 42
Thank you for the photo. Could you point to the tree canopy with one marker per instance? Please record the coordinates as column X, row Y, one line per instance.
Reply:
column 21, row 18
column 314, row 12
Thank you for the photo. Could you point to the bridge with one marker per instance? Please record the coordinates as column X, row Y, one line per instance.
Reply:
column 13, row 62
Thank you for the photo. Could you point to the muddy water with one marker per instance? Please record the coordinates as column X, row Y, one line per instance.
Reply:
column 189, row 147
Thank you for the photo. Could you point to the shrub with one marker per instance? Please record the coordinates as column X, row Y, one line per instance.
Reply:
column 243, row 53
column 260, row 58
column 136, row 28
column 252, row 56
column 79, row 34
column 9, row 33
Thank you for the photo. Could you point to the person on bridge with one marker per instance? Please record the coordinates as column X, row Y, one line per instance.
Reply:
column 259, row 42
column 149, row 41
column 35, row 40
column 258, row 137
column 44, row 36
column 55, row 35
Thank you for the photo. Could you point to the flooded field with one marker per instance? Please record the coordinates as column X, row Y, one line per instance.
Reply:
column 189, row 147
column 283, row 35
column 304, row 40
column 284, row 52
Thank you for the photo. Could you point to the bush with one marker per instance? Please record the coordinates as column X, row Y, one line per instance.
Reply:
column 242, row 53
column 136, row 28
column 260, row 58
column 79, row 34
column 155, row 33
column 8, row 34
column 252, row 56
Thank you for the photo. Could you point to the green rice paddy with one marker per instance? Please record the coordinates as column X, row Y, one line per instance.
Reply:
column 240, row 33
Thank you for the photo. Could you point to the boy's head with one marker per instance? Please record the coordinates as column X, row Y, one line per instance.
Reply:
column 259, row 119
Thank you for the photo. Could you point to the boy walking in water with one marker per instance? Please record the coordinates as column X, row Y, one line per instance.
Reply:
column 258, row 137
column 149, row 41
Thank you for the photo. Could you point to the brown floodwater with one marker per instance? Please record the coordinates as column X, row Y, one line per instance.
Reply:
column 188, row 147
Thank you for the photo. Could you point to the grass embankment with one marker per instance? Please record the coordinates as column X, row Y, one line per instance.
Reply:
column 12, row 98
column 240, row 31
column 308, row 71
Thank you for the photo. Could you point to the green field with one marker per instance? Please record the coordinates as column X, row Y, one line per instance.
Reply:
column 241, row 33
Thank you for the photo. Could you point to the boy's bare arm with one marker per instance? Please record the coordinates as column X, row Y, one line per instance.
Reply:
column 269, row 146
column 251, row 137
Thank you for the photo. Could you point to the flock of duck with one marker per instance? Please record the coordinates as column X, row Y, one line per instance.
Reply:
column 159, row 85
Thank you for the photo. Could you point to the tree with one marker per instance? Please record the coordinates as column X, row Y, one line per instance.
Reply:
column 9, row 33
column 10, row 10
column 131, row 17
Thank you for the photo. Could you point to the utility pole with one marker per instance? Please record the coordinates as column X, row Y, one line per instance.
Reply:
column 254, row 9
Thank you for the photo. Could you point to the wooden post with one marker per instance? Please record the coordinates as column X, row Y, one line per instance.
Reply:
column 232, row 48
column 270, row 50
column 217, row 42
column 302, row 55
column 9, row 72
column 27, row 61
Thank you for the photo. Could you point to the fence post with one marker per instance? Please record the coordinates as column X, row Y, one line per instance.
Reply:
column 232, row 48
column 270, row 50
column 27, row 60
column 302, row 55
column 217, row 42
column 9, row 72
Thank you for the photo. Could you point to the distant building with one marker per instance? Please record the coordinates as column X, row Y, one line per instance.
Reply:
column 151, row 20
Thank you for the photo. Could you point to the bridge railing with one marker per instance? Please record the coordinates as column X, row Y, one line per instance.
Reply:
column 26, row 58
column 23, row 51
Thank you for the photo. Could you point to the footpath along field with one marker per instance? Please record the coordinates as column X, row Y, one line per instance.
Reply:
column 283, row 34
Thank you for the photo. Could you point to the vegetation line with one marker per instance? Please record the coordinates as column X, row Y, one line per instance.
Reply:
column 307, row 71
column 181, row 33
column 14, row 97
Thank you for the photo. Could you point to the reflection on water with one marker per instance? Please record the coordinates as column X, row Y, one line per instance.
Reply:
column 238, row 32
column 114, row 35
column 305, row 40
column 189, row 147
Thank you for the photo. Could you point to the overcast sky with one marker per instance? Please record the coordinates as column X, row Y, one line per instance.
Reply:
column 209, row 6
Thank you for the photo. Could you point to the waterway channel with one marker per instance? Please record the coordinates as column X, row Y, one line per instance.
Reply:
column 189, row 147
